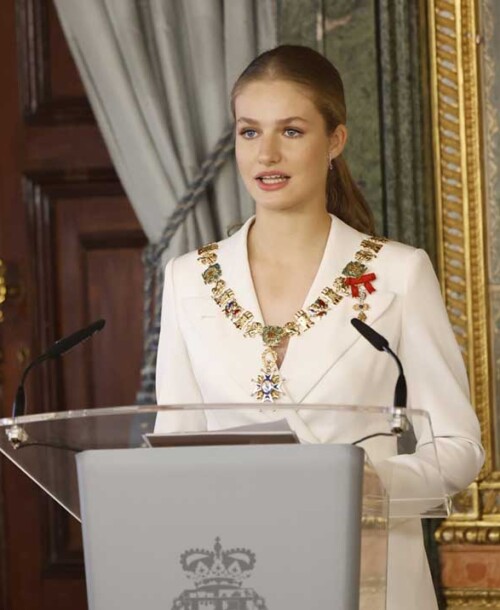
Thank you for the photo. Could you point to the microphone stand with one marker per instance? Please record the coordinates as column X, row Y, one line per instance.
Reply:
column 16, row 433
column 399, row 419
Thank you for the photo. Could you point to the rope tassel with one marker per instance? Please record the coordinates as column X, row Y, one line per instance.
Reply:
column 153, row 263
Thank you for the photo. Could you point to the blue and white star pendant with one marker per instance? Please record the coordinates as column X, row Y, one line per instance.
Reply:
column 268, row 383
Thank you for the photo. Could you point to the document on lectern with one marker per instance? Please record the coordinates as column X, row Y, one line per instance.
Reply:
column 269, row 433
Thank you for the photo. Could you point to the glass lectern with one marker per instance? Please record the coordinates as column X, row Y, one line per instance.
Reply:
column 245, row 526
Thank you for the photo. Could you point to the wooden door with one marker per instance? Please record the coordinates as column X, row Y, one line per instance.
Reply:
column 69, row 235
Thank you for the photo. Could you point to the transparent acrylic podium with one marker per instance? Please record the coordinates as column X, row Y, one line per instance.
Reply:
column 181, row 508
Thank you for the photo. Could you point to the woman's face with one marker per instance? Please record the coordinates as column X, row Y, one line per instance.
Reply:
column 282, row 147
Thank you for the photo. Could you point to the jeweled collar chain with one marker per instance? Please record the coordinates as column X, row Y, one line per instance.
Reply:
column 354, row 281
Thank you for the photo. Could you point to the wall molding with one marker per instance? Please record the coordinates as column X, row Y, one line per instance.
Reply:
column 459, row 193
column 38, row 104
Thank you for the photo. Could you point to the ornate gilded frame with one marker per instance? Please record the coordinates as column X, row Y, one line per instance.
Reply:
column 454, row 41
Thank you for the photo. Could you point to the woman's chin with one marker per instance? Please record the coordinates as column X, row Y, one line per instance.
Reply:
column 276, row 205
column 278, row 200
column 282, row 203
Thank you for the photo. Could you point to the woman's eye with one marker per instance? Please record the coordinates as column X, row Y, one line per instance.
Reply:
column 248, row 133
column 292, row 133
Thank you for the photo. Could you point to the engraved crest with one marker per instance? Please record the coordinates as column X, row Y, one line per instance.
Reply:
column 212, row 273
column 354, row 269
column 218, row 577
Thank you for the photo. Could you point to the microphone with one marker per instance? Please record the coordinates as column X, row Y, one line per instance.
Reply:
column 382, row 345
column 400, row 424
column 59, row 348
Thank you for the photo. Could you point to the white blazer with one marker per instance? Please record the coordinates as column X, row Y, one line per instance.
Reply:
column 203, row 358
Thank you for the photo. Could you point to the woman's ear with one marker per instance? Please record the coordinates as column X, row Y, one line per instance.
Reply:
column 338, row 141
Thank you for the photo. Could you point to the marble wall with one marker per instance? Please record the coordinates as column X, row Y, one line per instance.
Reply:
column 345, row 31
column 376, row 46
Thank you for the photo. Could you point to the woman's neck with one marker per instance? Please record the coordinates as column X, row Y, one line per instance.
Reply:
column 281, row 237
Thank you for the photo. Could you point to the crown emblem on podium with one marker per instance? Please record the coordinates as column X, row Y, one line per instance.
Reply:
column 218, row 575
column 218, row 566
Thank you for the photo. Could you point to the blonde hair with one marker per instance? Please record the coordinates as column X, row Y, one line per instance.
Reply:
column 312, row 70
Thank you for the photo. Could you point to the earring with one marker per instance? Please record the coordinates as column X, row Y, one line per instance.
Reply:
column 330, row 162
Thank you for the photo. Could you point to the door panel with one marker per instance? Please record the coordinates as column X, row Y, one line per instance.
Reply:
column 69, row 232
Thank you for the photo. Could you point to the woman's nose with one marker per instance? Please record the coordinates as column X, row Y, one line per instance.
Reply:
column 269, row 151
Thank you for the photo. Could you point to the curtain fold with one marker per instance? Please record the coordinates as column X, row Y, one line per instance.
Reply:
column 407, row 166
column 158, row 75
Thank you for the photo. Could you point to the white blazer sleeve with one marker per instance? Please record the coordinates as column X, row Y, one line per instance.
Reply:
column 175, row 381
column 436, row 376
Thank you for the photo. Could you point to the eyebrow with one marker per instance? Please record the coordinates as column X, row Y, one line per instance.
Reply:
column 289, row 119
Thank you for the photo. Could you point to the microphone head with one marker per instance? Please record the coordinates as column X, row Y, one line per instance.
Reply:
column 67, row 343
column 55, row 350
column 372, row 336
column 97, row 325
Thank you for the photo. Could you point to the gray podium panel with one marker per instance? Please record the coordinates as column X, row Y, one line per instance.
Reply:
column 222, row 528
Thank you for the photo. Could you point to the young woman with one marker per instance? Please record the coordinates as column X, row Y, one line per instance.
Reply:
column 264, row 316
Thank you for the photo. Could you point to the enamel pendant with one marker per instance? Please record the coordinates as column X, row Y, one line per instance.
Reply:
column 268, row 383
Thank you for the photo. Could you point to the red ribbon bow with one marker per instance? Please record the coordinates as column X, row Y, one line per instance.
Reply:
column 354, row 283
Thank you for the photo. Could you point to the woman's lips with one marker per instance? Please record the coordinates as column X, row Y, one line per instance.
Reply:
column 272, row 183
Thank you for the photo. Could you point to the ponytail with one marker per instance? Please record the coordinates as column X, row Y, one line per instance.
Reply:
column 345, row 199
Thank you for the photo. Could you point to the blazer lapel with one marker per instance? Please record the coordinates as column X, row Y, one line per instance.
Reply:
column 314, row 353
column 310, row 356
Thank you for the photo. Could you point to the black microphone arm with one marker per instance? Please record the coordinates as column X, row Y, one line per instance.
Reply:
column 55, row 350
column 380, row 343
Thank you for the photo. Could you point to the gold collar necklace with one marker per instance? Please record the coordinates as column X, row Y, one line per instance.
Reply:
column 354, row 281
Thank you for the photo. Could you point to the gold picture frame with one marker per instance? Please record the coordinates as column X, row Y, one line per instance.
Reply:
column 457, row 133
